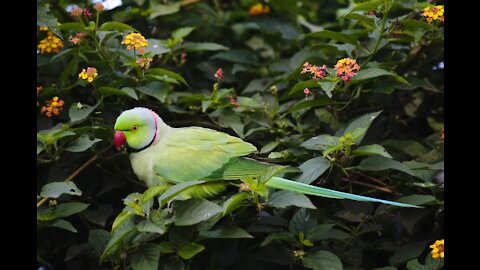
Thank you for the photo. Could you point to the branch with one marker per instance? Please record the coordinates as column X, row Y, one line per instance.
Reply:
column 384, row 189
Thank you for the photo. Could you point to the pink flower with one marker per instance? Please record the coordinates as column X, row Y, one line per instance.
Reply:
column 219, row 74
column 87, row 13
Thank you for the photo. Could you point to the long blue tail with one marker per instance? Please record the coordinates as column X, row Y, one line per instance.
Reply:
column 281, row 183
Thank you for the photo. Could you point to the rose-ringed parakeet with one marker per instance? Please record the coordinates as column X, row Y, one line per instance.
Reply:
column 161, row 155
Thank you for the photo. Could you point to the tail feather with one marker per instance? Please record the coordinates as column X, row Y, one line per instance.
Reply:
column 281, row 183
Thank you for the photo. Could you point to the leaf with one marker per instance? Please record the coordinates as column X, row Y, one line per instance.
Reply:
column 123, row 230
column 100, row 215
column 312, row 169
column 156, row 47
column 98, row 239
column 237, row 56
column 55, row 189
column 285, row 236
column 204, row 46
column 377, row 163
column 146, row 258
column 269, row 147
column 81, row 144
column 370, row 150
column 226, row 232
column 62, row 224
column 174, row 263
column 300, row 86
column 322, row 101
column 182, row 32
column 150, row 193
column 161, row 10
column 328, row 87
column 369, row 73
column 175, row 190
column 122, row 217
column 362, row 122
column 76, row 26
column 235, row 202
column 78, row 114
column 417, row 199
column 118, row 26
column 48, row 20
column 284, row 198
column 189, row 250
column 229, row 118
column 338, row 36
column 322, row 260
column 75, row 250
column 62, row 210
column 407, row 252
column 194, row 211
column 369, row 5
column 161, row 72
column 125, row 91
column 166, row 247
column 158, row 90
column 321, row 142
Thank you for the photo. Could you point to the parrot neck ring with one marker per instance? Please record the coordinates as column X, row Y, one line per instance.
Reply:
column 120, row 141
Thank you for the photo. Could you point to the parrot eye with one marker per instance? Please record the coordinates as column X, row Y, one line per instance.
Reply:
column 134, row 128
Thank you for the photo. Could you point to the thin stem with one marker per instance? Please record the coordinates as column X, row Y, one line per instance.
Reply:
column 380, row 37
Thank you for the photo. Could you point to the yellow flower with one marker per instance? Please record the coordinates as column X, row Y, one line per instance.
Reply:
column 437, row 249
column 433, row 13
column 53, row 107
column 43, row 28
column 50, row 44
column 258, row 9
column 135, row 40
column 344, row 68
column 88, row 74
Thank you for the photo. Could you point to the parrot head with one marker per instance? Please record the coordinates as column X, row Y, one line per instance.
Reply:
column 135, row 129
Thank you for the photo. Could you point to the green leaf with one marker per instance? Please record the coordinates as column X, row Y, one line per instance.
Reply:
column 284, row 198
column 98, row 239
column 78, row 113
column 194, row 211
column 369, row 73
column 269, row 147
column 146, row 258
column 371, row 150
column 407, row 252
column 122, row 231
column 175, row 190
column 166, row 247
column 378, row 163
column 148, row 226
column 62, row 210
column 62, row 224
column 152, row 192
column 182, row 32
column 122, row 217
column 430, row 264
column 125, row 91
column 161, row 72
column 362, row 122
column 226, row 232
column 312, row 169
column 81, row 144
column 300, row 86
column 417, row 199
column 75, row 26
column 321, row 142
column 283, row 236
column 204, row 46
column 333, row 36
column 156, row 47
column 328, row 87
column 237, row 56
column 158, row 90
column 229, row 118
column 357, row 16
column 174, row 263
column 369, row 5
column 235, row 202
column 189, row 250
column 55, row 189
column 44, row 18
column 322, row 260
column 321, row 101
column 118, row 26
column 161, row 10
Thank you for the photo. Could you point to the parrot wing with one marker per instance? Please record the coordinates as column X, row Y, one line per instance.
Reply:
column 196, row 153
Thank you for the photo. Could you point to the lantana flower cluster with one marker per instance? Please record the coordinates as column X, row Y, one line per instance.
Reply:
column 88, row 74
column 135, row 41
column 317, row 72
column 433, row 13
column 438, row 249
column 50, row 44
column 258, row 9
column 53, row 107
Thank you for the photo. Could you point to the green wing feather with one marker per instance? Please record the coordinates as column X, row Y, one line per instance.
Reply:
column 281, row 183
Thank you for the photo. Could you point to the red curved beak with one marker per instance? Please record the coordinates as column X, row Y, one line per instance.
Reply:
column 119, row 140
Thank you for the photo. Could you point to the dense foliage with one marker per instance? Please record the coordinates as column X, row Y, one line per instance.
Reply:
column 348, row 92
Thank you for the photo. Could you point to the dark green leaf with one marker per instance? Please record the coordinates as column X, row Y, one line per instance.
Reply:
column 369, row 5
column 362, row 122
column 161, row 10
column 146, row 258
column 81, row 144
column 182, row 32
column 407, row 252
column 333, row 36
column 378, row 163
column 125, row 91
column 312, row 169
column 300, row 86
column 321, row 142
column 284, row 198
column 79, row 112
column 235, row 202
column 194, row 211
column 204, row 46
column 161, row 72
column 189, row 250
column 62, row 224
column 98, row 239
column 158, row 90
column 237, row 56
column 75, row 26
column 369, row 73
column 370, row 150
column 118, row 26
column 226, row 232
column 322, row 260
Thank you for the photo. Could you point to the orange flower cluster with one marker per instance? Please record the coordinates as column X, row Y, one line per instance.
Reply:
column 433, row 13
column 50, row 44
column 317, row 72
column 345, row 68
column 53, row 107
column 135, row 40
column 258, row 9
column 438, row 249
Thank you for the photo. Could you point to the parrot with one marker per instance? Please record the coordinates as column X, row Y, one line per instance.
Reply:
column 161, row 155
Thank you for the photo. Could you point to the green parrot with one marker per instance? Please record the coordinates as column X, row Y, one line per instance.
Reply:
column 161, row 155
